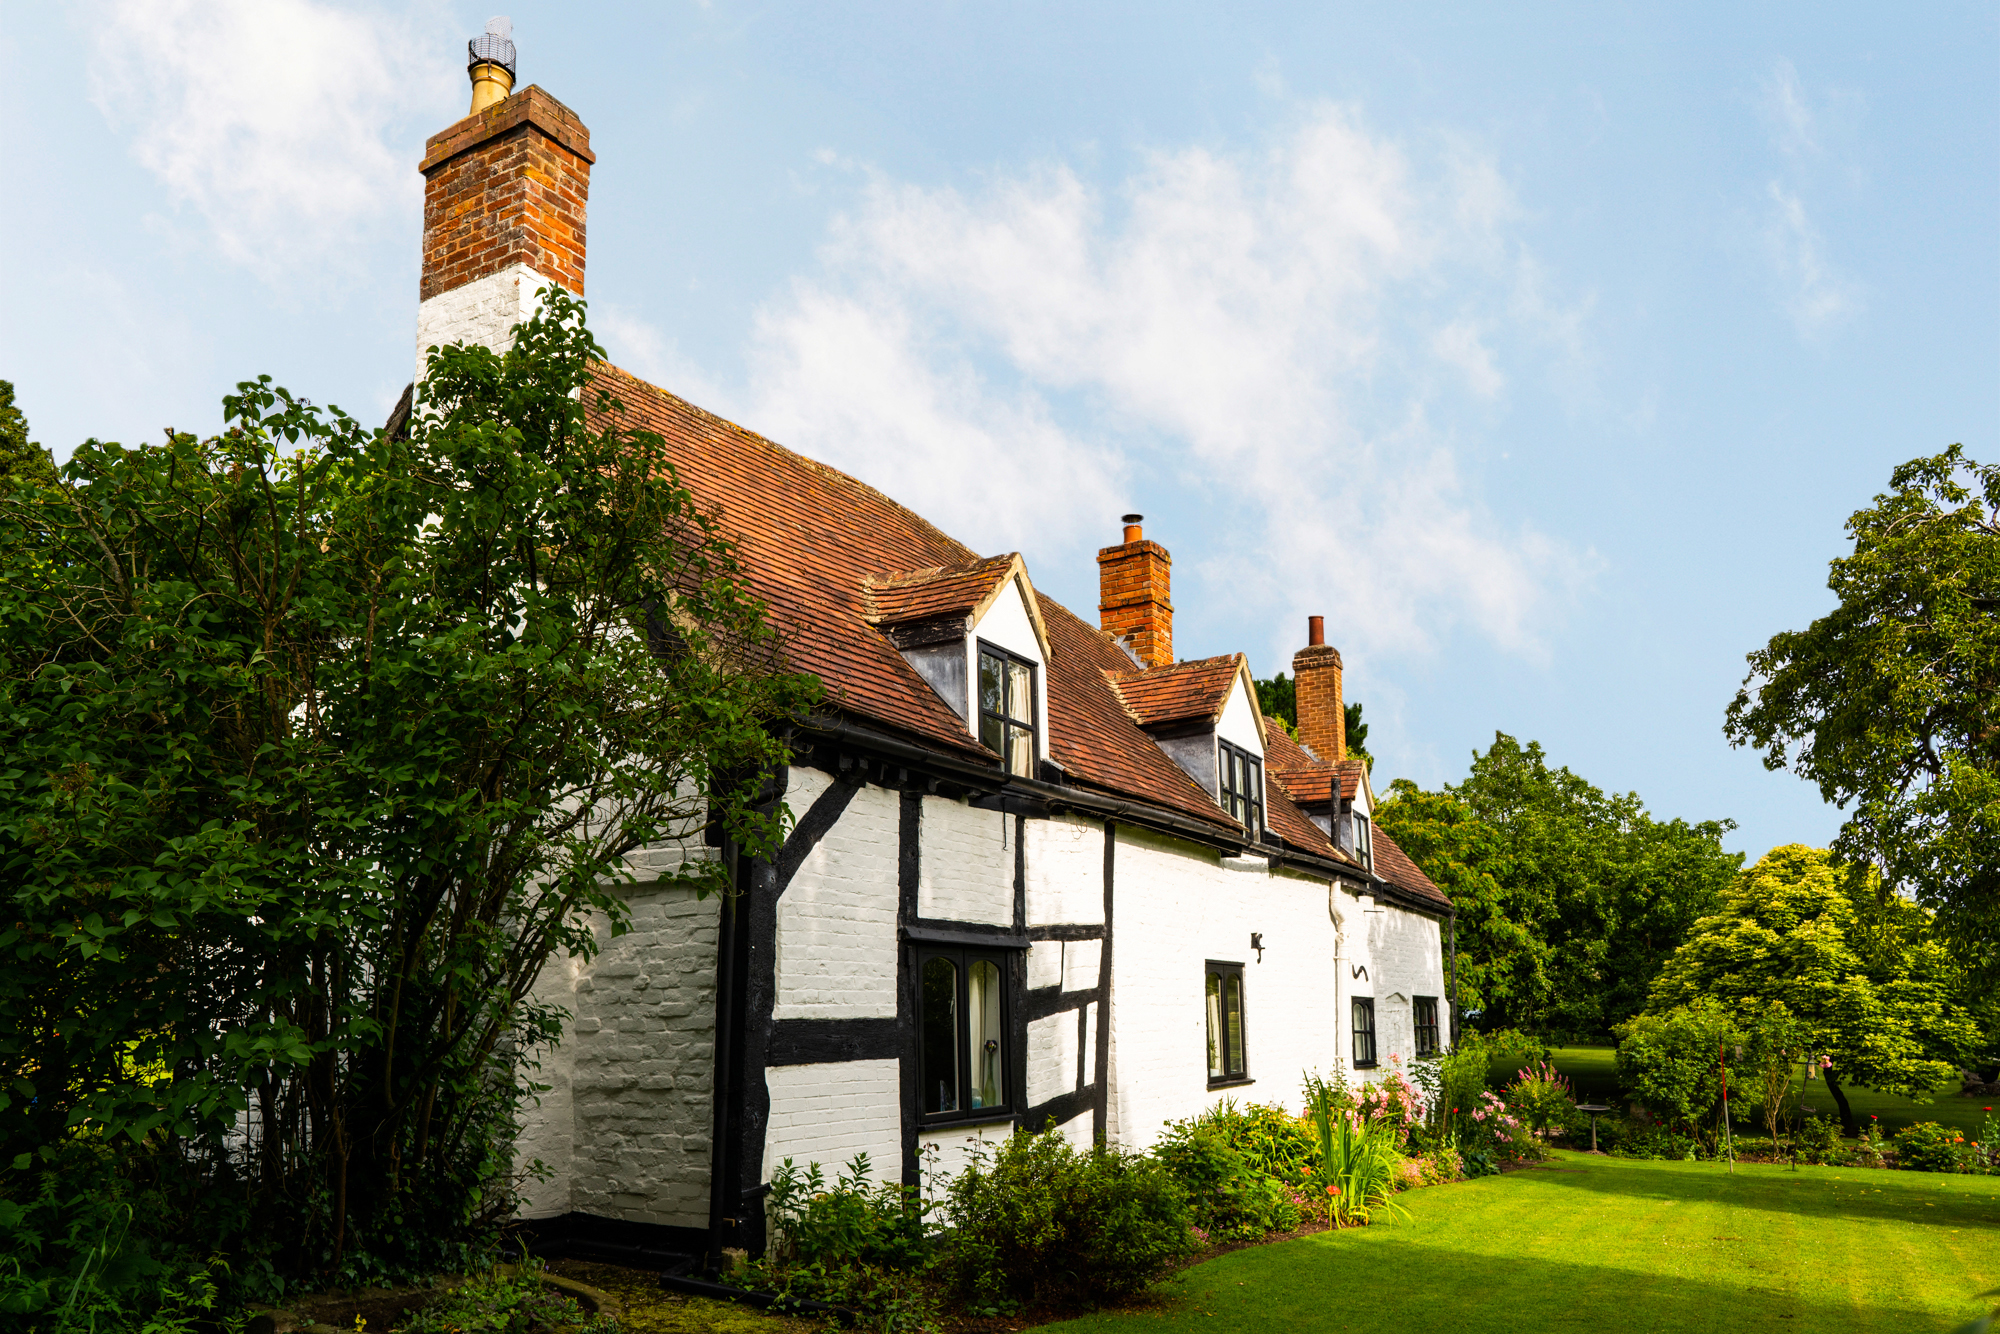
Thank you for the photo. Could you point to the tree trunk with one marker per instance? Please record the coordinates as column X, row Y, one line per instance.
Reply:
column 1847, row 1126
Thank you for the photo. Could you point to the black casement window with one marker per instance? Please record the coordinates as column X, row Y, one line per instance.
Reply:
column 1364, row 842
column 1241, row 786
column 1426, row 1008
column 1364, row 1032
column 1224, row 989
column 1007, row 708
column 962, row 1034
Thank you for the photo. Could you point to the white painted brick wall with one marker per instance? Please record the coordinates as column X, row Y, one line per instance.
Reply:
column 1065, row 871
column 483, row 311
column 1081, row 959
column 836, row 956
column 628, row 1122
column 1408, row 961
column 1178, row 906
column 827, row 1113
column 1045, row 964
column 966, row 869
column 1051, row 1057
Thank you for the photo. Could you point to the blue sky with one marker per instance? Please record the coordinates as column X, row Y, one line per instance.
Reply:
column 1544, row 352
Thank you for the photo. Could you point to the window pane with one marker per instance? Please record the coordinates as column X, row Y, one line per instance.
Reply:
column 939, row 1058
column 1021, row 758
column 1020, row 692
column 993, row 733
column 1234, row 991
column 991, row 684
column 982, row 1012
column 1215, row 1069
column 1364, row 1030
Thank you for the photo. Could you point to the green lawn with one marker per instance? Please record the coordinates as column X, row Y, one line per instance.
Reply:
column 1594, row 1073
column 1602, row 1243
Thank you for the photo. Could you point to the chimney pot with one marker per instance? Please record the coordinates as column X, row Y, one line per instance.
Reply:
column 1316, row 681
column 1133, row 533
column 490, row 62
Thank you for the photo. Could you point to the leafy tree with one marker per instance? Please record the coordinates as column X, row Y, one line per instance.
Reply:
column 19, row 456
column 1891, row 702
column 316, row 745
column 1501, row 961
column 1569, row 899
column 1867, row 984
column 1279, row 698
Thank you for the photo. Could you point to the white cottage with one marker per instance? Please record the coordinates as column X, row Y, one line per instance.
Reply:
column 1043, row 873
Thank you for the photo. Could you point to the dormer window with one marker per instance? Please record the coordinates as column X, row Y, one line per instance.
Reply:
column 1364, row 843
column 1240, row 786
column 1007, row 708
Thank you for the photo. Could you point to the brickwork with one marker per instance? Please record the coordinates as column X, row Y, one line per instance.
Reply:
column 507, row 186
column 826, row 1114
column 1135, row 584
column 967, row 863
column 837, row 920
column 641, row 1064
column 1322, row 717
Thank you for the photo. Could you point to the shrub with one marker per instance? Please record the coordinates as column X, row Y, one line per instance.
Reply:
column 1669, row 1061
column 1818, row 1137
column 854, row 1243
column 1441, row 1167
column 1658, row 1142
column 1228, row 1196
column 1271, row 1139
column 1986, row 1149
column 1039, row 1221
column 1930, row 1147
column 501, row 1302
column 75, row 1255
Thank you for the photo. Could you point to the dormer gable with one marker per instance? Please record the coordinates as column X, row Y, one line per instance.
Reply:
column 939, row 619
column 1204, row 716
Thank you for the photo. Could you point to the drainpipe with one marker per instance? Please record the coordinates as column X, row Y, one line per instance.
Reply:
column 1339, row 970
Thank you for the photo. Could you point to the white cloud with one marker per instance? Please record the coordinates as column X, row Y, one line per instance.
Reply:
column 1816, row 297
column 1812, row 291
column 290, row 127
column 1250, row 337
column 1792, row 118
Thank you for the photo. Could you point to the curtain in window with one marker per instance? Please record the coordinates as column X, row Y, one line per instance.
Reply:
column 939, row 1057
column 1216, row 1068
column 982, row 1012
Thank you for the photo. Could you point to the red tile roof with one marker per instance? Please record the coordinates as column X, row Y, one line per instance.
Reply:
column 1310, row 782
column 834, row 558
column 1179, row 692
column 890, row 599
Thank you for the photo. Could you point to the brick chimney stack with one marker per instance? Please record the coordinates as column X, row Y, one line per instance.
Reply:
column 1134, row 586
column 1316, row 676
column 504, row 196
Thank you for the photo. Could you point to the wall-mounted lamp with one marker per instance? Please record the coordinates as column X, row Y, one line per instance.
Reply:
column 1257, row 944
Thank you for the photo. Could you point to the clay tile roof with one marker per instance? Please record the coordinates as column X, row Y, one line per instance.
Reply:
column 834, row 559
column 1394, row 866
column 1179, row 692
column 891, row 599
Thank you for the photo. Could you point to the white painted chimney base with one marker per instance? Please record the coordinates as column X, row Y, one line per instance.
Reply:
column 483, row 311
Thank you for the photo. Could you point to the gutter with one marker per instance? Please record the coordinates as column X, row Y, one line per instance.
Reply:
column 1157, row 818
